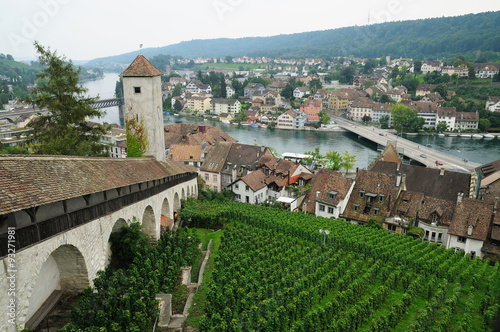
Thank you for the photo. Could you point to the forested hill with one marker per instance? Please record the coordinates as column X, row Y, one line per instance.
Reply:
column 431, row 38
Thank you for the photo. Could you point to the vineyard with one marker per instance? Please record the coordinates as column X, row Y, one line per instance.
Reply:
column 276, row 272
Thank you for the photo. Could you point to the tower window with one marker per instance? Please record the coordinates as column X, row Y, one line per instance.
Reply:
column 137, row 89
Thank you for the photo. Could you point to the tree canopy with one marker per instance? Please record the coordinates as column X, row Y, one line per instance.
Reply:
column 405, row 118
column 65, row 130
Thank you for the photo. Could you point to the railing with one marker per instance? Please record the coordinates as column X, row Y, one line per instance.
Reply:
column 33, row 234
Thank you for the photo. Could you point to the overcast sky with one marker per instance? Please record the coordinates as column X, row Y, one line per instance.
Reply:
column 87, row 29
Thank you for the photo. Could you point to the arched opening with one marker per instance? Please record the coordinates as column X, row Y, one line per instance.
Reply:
column 149, row 223
column 188, row 194
column 64, row 270
column 177, row 205
column 167, row 222
column 183, row 194
column 116, row 228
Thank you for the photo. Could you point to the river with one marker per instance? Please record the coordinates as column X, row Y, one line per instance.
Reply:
column 481, row 151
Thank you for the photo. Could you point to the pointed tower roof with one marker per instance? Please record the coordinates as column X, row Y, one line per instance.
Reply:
column 141, row 67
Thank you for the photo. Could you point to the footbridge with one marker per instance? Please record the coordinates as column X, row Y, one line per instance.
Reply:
column 57, row 215
column 417, row 152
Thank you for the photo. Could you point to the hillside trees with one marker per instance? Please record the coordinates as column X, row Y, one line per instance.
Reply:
column 65, row 130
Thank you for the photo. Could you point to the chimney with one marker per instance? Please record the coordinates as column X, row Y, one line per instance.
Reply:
column 403, row 182
column 469, row 230
column 460, row 197
column 317, row 194
column 398, row 179
column 397, row 169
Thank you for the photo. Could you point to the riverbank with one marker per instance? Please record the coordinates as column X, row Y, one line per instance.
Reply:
column 323, row 128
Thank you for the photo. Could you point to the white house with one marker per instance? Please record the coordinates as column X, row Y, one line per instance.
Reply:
column 251, row 188
column 300, row 92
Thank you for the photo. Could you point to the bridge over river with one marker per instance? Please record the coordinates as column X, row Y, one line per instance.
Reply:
column 415, row 152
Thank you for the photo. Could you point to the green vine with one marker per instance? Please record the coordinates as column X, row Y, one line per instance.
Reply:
column 137, row 137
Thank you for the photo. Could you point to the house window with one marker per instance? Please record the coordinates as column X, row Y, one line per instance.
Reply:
column 356, row 207
column 381, row 198
column 206, row 177
column 330, row 210
column 375, row 212
column 137, row 89
column 435, row 218
column 215, row 188
column 461, row 239
column 321, row 207
column 215, row 177
column 236, row 186
column 440, row 237
column 246, row 188
column 332, row 195
column 361, row 194
column 237, row 196
column 391, row 227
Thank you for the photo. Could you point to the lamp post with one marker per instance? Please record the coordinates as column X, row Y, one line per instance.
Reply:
column 325, row 234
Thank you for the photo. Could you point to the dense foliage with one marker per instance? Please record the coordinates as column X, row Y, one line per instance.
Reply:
column 65, row 130
column 470, row 35
column 275, row 274
column 123, row 298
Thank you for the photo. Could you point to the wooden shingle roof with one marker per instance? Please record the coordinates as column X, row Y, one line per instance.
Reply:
column 28, row 181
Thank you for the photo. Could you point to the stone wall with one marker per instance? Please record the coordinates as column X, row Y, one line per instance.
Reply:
column 76, row 254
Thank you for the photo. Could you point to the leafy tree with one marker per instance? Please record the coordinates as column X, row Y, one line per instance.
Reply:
column 441, row 127
column 348, row 74
column 395, row 72
column 369, row 65
column 366, row 118
column 442, row 89
column 324, row 117
column 287, row 92
column 406, row 118
column 348, row 161
column 417, row 66
column 229, row 59
column 177, row 105
column 484, row 124
column 119, row 88
column 242, row 117
column 314, row 158
column 65, row 130
column 333, row 160
column 176, row 92
column 367, row 84
column 472, row 73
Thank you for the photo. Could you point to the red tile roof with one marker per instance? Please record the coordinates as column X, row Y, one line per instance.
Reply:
column 326, row 181
column 141, row 67
column 471, row 212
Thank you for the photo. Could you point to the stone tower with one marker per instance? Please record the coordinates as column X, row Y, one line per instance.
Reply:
column 143, row 101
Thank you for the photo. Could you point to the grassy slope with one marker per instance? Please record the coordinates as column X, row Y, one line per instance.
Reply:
column 196, row 310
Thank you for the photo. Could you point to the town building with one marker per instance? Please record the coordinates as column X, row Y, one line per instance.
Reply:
column 311, row 109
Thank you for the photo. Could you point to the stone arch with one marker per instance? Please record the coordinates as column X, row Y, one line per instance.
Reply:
column 167, row 221
column 116, row 228
column 177, row 204
column 183, row 195
column 165, row 208
column 188, row 194
column 149, row 222
column 64, row 269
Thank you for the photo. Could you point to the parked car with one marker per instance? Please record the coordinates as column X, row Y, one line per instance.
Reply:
column 423, row 155
column 439, row 163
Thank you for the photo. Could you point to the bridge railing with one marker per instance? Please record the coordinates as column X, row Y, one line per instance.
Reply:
column 33, row 234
